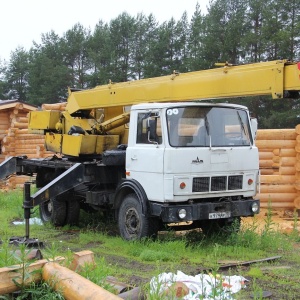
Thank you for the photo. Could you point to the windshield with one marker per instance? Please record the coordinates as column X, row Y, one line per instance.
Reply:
column 208, row 126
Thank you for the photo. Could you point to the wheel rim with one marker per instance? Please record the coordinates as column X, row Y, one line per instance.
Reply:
column 47, row 209
column 132, row 222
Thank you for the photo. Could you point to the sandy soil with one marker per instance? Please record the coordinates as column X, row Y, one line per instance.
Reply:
column 283, row 220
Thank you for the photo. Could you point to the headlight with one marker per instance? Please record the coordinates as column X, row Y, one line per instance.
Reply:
column 181, row 213
column 255, row 207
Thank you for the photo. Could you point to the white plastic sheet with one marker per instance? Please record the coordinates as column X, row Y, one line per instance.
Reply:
column 36, row 221
column 201, row 286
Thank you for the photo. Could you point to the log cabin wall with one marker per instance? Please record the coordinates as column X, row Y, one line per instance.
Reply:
column 279, row 163
column 15, row 139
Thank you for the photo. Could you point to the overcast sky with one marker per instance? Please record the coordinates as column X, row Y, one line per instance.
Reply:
column 23, row 21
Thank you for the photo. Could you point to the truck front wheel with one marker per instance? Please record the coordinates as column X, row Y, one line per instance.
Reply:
column 133, row 224
column 53, row 211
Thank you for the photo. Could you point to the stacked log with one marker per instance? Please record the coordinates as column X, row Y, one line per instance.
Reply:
column 4, row 124
column 277, row 163
column 55, row 106
column 16, row 141
column 297, row 166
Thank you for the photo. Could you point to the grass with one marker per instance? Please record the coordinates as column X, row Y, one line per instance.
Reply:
column 137, row 262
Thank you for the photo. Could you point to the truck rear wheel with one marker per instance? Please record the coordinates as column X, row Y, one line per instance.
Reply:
column 133, row 224
column 53, row 211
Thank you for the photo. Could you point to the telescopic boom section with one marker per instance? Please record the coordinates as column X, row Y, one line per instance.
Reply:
column 280, row 79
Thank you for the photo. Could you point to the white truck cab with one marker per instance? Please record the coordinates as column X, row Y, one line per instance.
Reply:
column 194, row 161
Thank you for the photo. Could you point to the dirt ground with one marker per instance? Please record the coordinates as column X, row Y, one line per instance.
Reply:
column 282, row 220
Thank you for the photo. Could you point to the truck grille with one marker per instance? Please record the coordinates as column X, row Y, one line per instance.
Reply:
column 217, row 183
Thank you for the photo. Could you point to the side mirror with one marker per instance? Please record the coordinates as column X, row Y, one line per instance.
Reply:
column 254, row 126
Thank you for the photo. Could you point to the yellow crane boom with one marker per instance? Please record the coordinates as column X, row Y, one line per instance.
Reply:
column 276, row 78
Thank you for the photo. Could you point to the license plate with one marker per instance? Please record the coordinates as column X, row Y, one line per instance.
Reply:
column 219, row 215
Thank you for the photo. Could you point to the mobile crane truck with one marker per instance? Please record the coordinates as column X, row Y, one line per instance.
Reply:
column 152, row 153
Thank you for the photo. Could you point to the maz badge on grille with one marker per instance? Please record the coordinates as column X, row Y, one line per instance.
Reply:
column 197, row 161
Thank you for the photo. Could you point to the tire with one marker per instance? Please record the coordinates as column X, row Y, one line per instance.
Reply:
column 73, row 212
column 133, row 224
column 53, row 212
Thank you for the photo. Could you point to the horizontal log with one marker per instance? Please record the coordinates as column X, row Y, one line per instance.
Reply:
column 277, row 188
column 21, row 130
column 22, row 144
column 6, row 149
column 272, row 144
column 268, row 171
column 288, row 161
column 277, row 179
column 288, row 152
column 21, row 119
column 268, row 164
column 285, row 205
column 72, row 285
column 9, row 274
column 276, row 134
column 54, row 106
column 25, row 151
column 287, row 170
column 268, row 155
column 19, row 125
column 26, row 146
column 297, row 129
column 29, row 136
column 277, row 197
column 267, row 150
column 29, row 141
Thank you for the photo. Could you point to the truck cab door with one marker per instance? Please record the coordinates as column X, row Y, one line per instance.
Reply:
column 145, row 152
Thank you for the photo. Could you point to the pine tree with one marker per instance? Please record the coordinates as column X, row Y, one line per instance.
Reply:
column 99, row 55
column 16, row 74
column 75, row 48
column 49, row 75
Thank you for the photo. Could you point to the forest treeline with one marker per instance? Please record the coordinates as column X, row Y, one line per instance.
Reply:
column 135, row 47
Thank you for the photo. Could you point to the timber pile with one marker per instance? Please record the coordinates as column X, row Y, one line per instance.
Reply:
column 15, row 140
column 279, row 154
column 67, row 281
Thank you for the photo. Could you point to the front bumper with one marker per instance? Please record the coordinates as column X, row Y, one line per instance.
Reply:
column 169, row 213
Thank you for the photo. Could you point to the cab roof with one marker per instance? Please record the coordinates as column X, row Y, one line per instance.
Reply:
column 161, row 105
